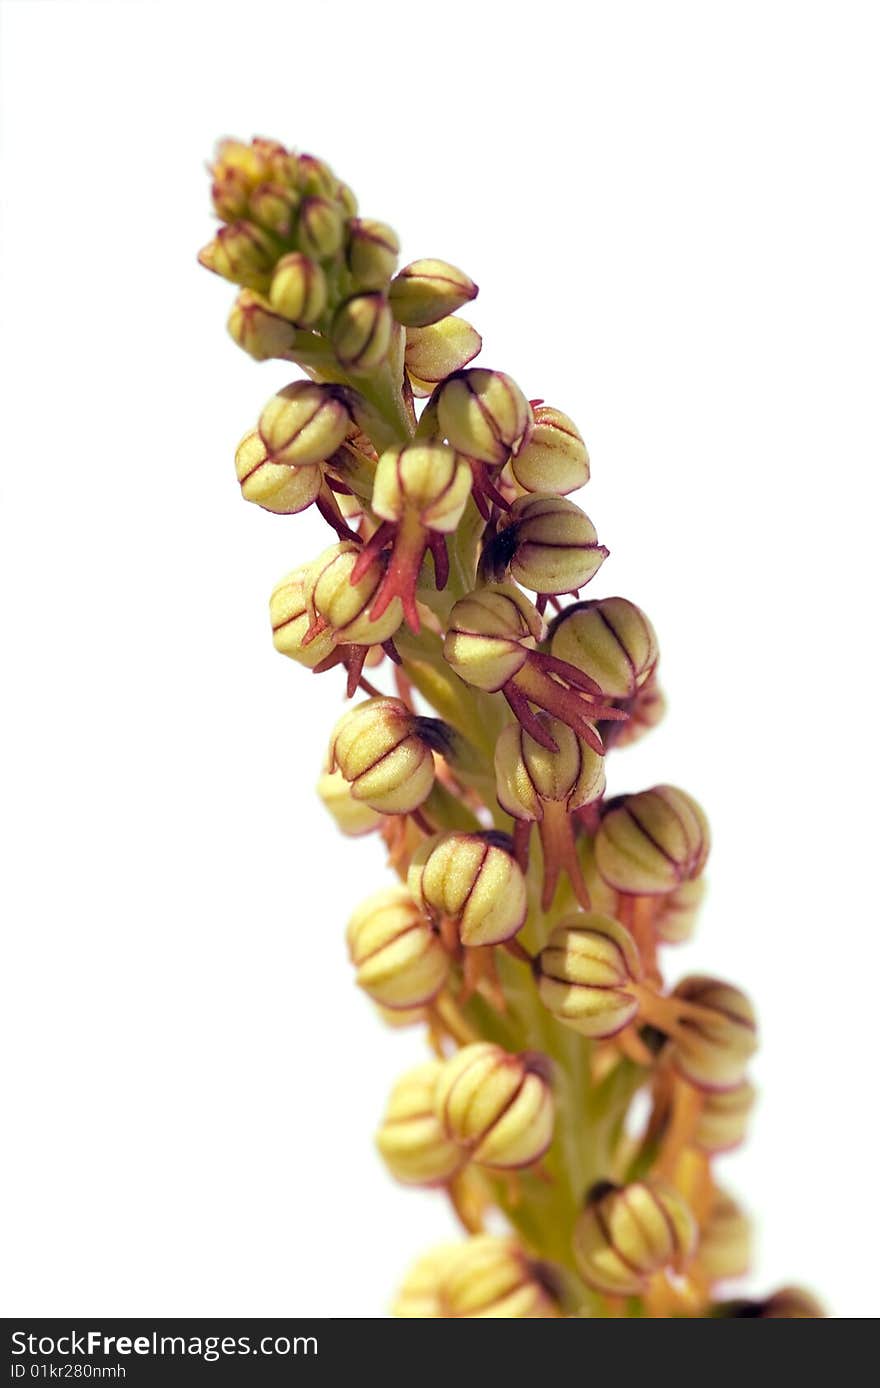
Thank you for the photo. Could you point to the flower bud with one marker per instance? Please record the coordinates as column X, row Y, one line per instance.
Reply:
column 528, row 776
column 237, row 169
column 411, row 1139
column 320, row 228
column 428, row 290
column 586, row 972
column 495, row 1105
column 257, row 330
column 379, row 751
column 435, row 352
column 427, row 479
column 274, row 486
column 490, row 634
column 242, row 253
column 716, row 1034
column 315, row 178
column 298, row 289
column 627, row 1234
column 288, row 612
column 304, row 423
column 547, row 544
column 352, row 816
column 612, row 640
column 675, row 915
column 554, row 458
column 724, row 1117
column 345, row 606
column 273, row 207
column 399, row 958
column 472, row 880
column 420, row 1296
column 651, row 842
column 371, row 253
column 490, row 1277
column 361, row 332
column 483, row 414
column 725, row 1249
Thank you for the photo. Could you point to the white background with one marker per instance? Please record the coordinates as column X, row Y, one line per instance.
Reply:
column 672, row 210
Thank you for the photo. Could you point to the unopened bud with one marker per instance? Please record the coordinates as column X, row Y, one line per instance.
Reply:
column 491, row 1277
column 651, row 842
column 497, row 1106
column 320, row 228
column 274, row 486
column 490, row 634
column 612, row 640
column 257, row 330
column 547, row 544
column 586, row 972
column 472, row 880
column 378, row 749
column 361, row 332
column 242, row 253
column 345, row 606
column 352, row 816
column 725, row 1248
column 435, row 352
column 627, row 1234
column 554, row 458
column 528, row 776
column 420, row 1296
column 298, row 289
column 304, row 423
column 399, row 958
column 716, row 1034
column 411, row 1139
column 675, row 915
column 273, row 207
column 428, row 480
column 288, row 612
column 237, row 169
column 724, row 1118
column 371, row 253
column 428, row 290
column 483, row 414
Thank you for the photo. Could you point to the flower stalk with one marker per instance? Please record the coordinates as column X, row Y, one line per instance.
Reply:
column 526, row 931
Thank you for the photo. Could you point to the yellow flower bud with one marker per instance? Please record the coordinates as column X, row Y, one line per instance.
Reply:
column 651, row 842
column 274, row 486
column 483, row 414
column 345, row 606
column 612, row 640
column 352, row 816
column 435, row 352
column 379, row 749
column 586, row 974
column 361, row 332
column 304, row 423
column 273, row 207
column 420, row 1296
column 288, row 612
column 724, row 1117
column 399, row 958
column 428, row 290
column 472, row 880
column 716, row 1033
column 490, row 634
column 411, row 1139
column 238, row 168
column 426, row 479
column 298, row 289
column 257, row 330
column 497, row 1106
column 371, row 253
column 528, row 776
column 320, row 228
column 675, row 915
column 554, row 458
column 725, row 1248
column 315, row 177
column 547, row 544
column 627, row 1234
column 242, row 253
column 493, row 1279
